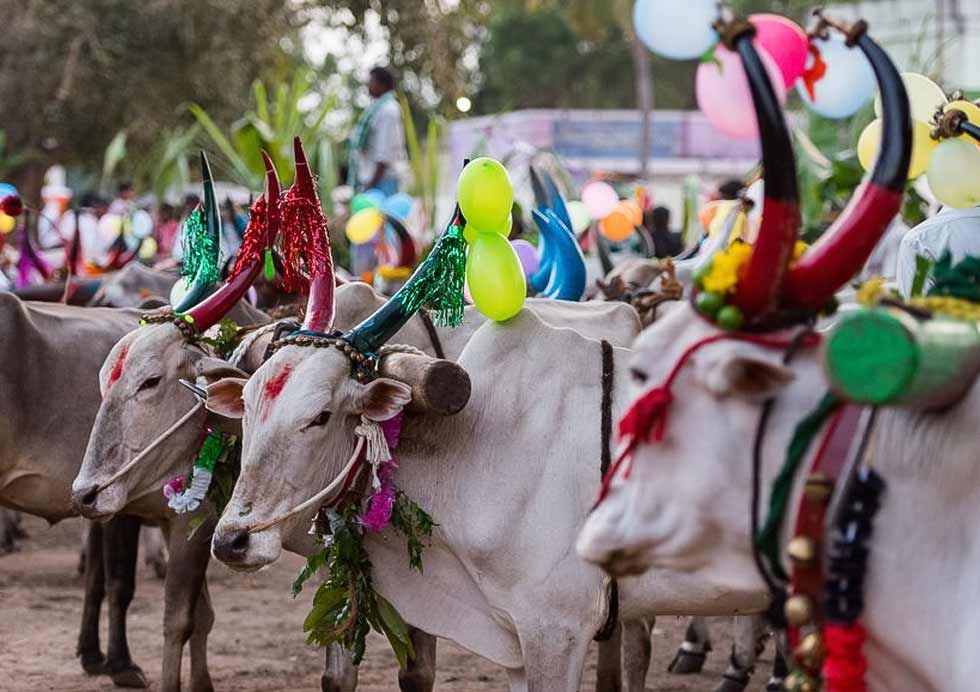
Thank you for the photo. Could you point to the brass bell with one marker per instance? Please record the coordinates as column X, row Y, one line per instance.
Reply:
column 798, row 610
column 818, row 487
column 810, row 651
column 802, row 550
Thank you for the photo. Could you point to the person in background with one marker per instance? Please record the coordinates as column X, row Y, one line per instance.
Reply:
column 167, row 229
column 665, row 242
column 91, row 207
column 956, row 231
column 377, row 145
column 730, row 189
column 123, row 203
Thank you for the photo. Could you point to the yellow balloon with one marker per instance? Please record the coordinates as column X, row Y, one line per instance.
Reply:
column 970, row 109
column 954, row 173
column 922, row 147
column 7, row 223
column 925, row 96
column 148, row 249
column 720, row 218
column 364, row 225
column 495, row 277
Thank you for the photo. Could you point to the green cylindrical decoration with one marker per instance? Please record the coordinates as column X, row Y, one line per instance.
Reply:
column 884, row 356
column 437, row 284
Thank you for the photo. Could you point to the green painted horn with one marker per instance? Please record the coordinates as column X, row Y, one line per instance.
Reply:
column 885, row 356
column 203, row 248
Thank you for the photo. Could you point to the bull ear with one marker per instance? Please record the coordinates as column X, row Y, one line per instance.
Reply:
column 746, row 373
column 383, row 399
column 225, row 397
column 214, row 369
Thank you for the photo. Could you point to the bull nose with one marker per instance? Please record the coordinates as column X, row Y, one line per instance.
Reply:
column 231, row 547
column 83, row 499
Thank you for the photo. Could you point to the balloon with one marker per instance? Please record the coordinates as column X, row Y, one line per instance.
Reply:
column 180, row 289
column 470, row 231
column 785, row 42
column 674, row 29
column 954, row 173
column 925, row 96
column 923, row 145
column 495, row 277
column 7, row 223
column 723, row 92
column 838, row 80
column 579, row 215
column 599, row 199
column 528, row 255
column 363, row 201
column 398, row 205
column 148, row 249
column 485, row 194
column 633, row 210
column 972, row 112
column 6, row 189
column 142, row 224
column 617, row 226
column 363, row 226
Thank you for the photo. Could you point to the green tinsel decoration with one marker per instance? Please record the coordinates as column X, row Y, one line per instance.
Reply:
column 438, row 283
column 211, row 450
column 200, row 250
column 959, row 281
column 268, row 266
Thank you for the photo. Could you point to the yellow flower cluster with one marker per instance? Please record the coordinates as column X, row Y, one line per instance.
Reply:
column 949, row 306
column 726, row 266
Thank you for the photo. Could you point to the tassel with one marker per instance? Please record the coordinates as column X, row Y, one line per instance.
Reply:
column 375, row 445
column 254, row 238
column 189, row 499
column 200, row 250
column 304, row 241
column 646, row 419
column 382, row 501
column 438, row 283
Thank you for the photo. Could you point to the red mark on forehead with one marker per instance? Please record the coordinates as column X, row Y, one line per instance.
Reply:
column 118, row 367
column 273, row 388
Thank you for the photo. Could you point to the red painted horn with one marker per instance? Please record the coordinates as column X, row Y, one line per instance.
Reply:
column 843, row 250
column 320, row 306
column 209, row 312
column 759, row 287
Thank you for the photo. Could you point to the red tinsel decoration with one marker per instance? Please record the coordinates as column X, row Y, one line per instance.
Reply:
column 304, row 241
column 253, row 242
column 844, row 666
column 11, row 205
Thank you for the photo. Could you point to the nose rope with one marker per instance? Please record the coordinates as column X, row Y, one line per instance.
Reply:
column 153, row 445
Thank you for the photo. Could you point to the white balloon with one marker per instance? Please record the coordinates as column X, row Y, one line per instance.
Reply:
column 676, row 29
column 179, row 290
column 847, row 84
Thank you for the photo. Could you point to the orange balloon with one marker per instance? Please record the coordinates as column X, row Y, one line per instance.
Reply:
column 633, row 210
column 618, row 226
column 707, row 214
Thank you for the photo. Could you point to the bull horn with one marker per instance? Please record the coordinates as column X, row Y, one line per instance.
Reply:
column 846, row 246
column 210, row 311
column 210, row 245
column 758, row 289
column 885, row 356
column 440, row 387
column 320, row 306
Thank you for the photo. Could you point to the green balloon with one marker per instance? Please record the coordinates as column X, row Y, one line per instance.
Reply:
column 360, row 202
column 495, row 277
column 485, row 194
column 470, row 233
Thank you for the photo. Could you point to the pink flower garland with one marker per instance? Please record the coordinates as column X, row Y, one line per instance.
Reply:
column 382, row 501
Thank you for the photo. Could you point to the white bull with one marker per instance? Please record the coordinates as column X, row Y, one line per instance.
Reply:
column 509, row 480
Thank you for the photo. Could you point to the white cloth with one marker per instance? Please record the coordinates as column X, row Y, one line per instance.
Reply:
column 94, row 248
column 884, row 260
column 955, row 230
column 385, row 143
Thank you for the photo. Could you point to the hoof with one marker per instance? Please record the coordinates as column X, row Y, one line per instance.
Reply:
column 93, row 663
column 687, row 662
column 731, row 683
column 131, row 676
column 774, row 685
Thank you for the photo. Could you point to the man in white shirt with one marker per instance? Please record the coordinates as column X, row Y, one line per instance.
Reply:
column 953, row 230
column 378, row 142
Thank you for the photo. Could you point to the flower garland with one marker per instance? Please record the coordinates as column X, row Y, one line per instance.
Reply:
column 719, row 278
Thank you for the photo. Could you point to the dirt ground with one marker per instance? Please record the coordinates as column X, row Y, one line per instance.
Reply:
column 257, row 642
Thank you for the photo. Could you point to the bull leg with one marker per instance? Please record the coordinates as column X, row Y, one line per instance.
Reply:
column 554, row 656
column 694, row 649
column 203, row 622
column 609, row 669
column 779, row 667
column 154, row 550
column 748, row 636
column 183, row 587
column 420, row 673
column 89, row 650
column 636, row 654
column 339, row 672
column 119, row 551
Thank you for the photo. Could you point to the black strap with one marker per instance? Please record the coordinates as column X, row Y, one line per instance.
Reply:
column 608, row 628
column 430, row 328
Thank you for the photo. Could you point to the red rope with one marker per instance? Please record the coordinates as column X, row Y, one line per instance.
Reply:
column 646, row 419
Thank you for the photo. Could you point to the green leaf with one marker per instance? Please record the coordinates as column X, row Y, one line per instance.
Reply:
column 313, row 564
column 241, row 169
column 923, row 265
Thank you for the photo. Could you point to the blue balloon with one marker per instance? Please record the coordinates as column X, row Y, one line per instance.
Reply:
column 398, row 205
column 376, row 196
column 6, row 190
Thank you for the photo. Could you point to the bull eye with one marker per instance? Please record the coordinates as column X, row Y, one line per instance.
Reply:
column 321, row 419
column 638, row 375
column 149, row 383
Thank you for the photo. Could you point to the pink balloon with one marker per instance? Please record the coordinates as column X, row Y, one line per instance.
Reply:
column 599, row 198
column 723, row 92
column 785, row 42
